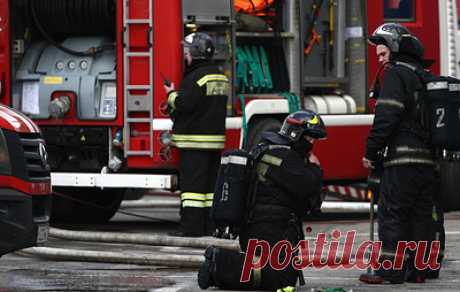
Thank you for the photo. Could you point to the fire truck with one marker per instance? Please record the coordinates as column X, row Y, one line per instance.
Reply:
column 25, row 185
column 90, row 73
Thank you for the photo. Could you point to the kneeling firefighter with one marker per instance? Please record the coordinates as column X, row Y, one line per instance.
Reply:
column 287, row 187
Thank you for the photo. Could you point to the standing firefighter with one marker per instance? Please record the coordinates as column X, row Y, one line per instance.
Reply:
column 198, row 110
column 408, row 181
column 288, row 186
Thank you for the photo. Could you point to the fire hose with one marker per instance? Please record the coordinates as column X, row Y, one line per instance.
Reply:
column 150, row 239
column 127, row 258
column 144, row 239
column 326, row 207
column 114, row 257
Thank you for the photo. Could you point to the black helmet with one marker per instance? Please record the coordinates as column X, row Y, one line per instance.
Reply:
column 200, row 44
column 303, row 123
column 398, row 39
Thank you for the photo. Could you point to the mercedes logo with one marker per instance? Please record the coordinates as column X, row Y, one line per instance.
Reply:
column 43, row 154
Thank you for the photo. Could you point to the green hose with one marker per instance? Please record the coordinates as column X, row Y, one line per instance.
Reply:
column 253, row 70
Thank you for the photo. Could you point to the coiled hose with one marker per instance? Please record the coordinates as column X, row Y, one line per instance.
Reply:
column 74, row 18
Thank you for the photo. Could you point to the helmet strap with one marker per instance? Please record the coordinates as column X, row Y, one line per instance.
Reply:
column 302, row 147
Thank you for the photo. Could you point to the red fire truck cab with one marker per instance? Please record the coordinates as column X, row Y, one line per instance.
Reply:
column 90, row 74
column 25, row 184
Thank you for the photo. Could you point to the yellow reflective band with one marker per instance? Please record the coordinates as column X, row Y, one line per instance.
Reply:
column 434, row 214
column 198, row 138
column 256, row 274
column 211, row 77
column 209, row 199
column 273, row 160
column 192, row 204
column 286, row 289
column 193, row 196
column 314, row 120
column 172, row 99
column 199, row 145
column 217, row 88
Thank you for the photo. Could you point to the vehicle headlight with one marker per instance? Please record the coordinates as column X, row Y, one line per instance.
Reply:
column 108, row 104
column 5, row 166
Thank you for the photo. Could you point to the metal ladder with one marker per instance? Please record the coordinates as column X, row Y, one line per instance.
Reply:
column 135, row 102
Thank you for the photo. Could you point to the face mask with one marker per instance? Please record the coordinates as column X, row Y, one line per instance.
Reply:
column 302, row 147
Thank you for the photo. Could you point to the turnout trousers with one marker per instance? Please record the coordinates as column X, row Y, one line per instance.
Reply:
column 197, row 179
column 405, row 214
column 229, row 264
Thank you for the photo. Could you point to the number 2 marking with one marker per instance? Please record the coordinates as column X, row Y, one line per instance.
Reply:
column 440, row 112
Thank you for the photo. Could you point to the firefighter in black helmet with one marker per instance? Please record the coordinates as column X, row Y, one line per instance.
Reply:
column 289, row 181
column 198, row 110
column 408, row 182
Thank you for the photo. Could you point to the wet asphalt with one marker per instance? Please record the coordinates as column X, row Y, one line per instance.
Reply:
column 28, row 273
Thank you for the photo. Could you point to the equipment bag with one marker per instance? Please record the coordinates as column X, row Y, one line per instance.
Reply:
column 439, row 109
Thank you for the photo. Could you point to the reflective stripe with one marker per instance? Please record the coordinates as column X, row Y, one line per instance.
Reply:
column 193, row 204
column 437, row 85
column 234, row 160
column 199, row 145
column 262, row 169
column 286, row 289
column 198, row 138
column 257, row 274
column 407, row 65
column 401, row 161
column 390, row 102
column 198, row 141
column 194, row 200
column 407, row 149
column 271, row 147
column 193, row 196
column 273, row 160
column 212, row 77
column 214, row 88
column 454, row 87
column 172, row 99
column 209, row 199
column 434, row 214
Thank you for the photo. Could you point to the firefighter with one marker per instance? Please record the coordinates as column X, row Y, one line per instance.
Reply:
column 289, row 181
column 198, row 110
column 409, row 178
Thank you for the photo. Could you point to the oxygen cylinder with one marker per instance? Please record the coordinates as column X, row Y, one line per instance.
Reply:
column 232, row 187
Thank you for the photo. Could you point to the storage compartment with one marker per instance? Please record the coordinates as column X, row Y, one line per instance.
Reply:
column 334, row 50
column 64, row 48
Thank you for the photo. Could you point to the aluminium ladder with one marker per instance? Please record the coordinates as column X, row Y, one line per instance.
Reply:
column 137, row 35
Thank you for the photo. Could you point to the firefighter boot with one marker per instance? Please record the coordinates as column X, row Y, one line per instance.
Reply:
column 206, row 274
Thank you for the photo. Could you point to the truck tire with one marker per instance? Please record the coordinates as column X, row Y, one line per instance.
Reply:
column 450, row 185
column 258, row 127
column 85, row 205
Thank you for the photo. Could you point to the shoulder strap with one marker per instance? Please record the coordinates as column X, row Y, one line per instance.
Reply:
column 420, row 115
column 419, row 72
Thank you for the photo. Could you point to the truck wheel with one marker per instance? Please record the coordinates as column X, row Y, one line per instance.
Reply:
column 450, row 187
column 258, row 127
column 85, row 205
